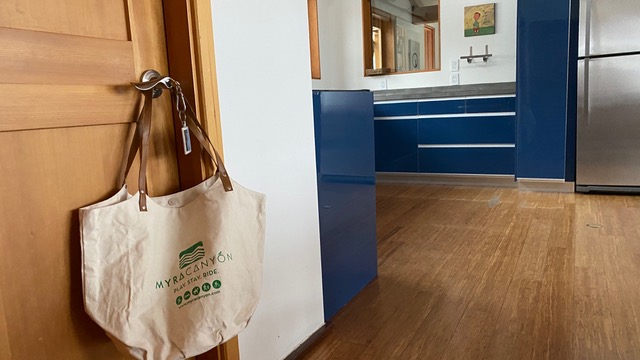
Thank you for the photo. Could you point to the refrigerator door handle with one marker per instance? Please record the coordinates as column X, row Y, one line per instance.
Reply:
column 587, row 28
column 583, row 95
column 584, row 32
column 584, row 92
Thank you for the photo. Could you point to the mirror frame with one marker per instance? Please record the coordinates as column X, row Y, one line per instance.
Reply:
column 367, row 43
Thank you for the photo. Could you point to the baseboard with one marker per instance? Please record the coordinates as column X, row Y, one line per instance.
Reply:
column 448, row 179
column 545, row 185
column 307, row 344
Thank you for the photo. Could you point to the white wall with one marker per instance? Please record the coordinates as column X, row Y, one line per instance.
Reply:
column 340, row 24
column 264, row 80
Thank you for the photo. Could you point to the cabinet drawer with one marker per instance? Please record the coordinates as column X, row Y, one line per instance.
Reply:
column 497, row 161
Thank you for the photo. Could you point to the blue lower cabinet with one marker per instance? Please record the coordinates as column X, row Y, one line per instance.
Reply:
column 483, row 161
column 396, row 145
column 347, row 239
column 472, row 135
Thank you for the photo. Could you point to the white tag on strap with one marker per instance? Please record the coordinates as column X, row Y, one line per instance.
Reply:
column 186, row 140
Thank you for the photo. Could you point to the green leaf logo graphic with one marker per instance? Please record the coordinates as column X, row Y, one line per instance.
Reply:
column 191, row 255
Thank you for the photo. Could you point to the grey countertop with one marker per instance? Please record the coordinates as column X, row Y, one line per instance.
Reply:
column 506, row 88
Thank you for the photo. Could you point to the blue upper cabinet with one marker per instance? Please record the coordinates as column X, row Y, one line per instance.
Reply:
column 542, row 81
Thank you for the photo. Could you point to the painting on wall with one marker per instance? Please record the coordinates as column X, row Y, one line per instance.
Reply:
column 414, row 55
column 480, row 20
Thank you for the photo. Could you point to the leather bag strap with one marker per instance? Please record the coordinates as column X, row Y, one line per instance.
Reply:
column 133, row 140
column 139, row 140
column 145, row 130
column 204, row 140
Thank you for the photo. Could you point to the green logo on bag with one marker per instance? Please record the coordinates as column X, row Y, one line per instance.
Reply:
column 198, row 273
column 191, row 255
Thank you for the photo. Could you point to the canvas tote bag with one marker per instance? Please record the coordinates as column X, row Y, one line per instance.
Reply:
column 173, row 276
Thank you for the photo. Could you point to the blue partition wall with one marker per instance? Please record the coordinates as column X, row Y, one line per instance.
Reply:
column 346, row 194
column 471, row 135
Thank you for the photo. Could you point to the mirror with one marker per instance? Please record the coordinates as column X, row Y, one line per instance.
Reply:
column 401, row 36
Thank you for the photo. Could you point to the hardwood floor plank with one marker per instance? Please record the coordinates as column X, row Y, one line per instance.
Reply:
column 482, row 313
column 593, row 335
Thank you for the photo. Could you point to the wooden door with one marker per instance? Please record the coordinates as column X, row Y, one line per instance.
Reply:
column 429, row 47
column 65, row 109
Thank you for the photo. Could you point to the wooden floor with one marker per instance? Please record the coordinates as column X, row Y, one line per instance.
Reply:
column 487, row 273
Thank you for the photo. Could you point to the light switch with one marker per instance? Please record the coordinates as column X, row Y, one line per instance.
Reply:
column 455, row 65
column 455, row 78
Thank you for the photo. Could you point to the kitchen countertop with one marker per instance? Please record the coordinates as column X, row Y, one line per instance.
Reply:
column 506, row 88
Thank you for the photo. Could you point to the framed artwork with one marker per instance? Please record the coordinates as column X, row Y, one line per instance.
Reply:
column 480, row 20
column 414, row 55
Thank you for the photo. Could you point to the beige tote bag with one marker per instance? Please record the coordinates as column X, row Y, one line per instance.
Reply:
column 173, row 276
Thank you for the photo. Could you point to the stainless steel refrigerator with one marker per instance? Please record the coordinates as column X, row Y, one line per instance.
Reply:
column 608, row 143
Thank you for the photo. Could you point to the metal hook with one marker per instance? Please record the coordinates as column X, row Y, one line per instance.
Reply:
column 150, row 80
column 484, row 57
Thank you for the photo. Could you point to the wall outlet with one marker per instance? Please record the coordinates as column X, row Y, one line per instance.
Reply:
column 383, row 84
column 455, row 78
column 455, row 64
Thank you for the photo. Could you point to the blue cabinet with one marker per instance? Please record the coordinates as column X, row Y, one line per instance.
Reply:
column 345, row 165
column 545, row 78
column 472, row 135
column 396, row 146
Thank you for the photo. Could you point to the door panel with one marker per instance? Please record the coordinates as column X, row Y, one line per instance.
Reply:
column 61, row 59
column 92, row 18
column 66, row 110
column 50, row 106
column 54, row 173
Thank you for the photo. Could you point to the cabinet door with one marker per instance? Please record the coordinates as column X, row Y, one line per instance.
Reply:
column 396, row 145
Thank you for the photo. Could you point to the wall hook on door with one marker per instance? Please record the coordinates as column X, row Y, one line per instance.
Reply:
column 150, row 80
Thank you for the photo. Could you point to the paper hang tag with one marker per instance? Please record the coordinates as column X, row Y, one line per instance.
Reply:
column 186, row 140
